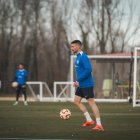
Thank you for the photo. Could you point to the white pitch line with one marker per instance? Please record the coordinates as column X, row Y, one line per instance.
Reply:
column 29, row 139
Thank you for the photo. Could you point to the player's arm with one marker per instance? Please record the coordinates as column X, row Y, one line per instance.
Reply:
column 76, row 84
column 87, row 68
column 26, row 75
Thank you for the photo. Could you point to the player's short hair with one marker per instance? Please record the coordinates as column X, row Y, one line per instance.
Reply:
column 21, row 64
column 77, row 42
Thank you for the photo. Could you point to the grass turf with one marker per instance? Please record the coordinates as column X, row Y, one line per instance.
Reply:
column 41, row 120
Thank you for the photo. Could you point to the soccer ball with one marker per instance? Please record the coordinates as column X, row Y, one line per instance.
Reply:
column 14, row 84
column 65, row 114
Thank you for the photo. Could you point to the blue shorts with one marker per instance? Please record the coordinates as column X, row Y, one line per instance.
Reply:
column 85, row 92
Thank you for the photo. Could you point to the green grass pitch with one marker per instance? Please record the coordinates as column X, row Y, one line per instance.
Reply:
column 41, row 121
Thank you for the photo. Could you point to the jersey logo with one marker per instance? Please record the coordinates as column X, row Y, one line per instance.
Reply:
column 77, row 61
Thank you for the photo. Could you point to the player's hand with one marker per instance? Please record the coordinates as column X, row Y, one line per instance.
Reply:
column 76, row 84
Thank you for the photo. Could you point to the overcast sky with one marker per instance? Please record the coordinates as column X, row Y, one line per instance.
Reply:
column 125, row 5
column 136, row 16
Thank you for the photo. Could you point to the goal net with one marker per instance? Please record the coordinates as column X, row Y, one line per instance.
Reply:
column 136, row 80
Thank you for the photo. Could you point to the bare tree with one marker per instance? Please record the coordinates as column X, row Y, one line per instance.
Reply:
column 6, row 34
column 102, row 21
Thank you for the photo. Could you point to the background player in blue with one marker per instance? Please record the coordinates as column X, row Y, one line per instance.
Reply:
column 20, row 77
column 85, row 84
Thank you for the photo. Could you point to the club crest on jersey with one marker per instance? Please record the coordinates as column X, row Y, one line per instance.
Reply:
column 77, row 61
column 22, row 73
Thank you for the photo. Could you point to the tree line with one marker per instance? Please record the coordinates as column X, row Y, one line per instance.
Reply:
column 38, row 33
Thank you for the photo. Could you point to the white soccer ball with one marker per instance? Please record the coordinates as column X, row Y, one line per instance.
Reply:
column 65, row 114
column 14, row 84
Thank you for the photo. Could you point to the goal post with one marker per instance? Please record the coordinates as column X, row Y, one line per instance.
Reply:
column 108, row 87
column 39, row 90
column 136, row 78
column 63, row 91
column 105, row 68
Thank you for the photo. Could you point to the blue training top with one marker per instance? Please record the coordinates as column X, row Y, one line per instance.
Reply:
column 83, row 70
column 21, row 76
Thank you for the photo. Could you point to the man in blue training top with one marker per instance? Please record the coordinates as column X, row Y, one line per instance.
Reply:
column 85, row 84
column 20, row 77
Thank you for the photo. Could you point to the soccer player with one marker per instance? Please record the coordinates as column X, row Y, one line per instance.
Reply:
column 85, row 84
column 20, row 77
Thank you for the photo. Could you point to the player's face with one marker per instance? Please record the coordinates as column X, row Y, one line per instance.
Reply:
column 75, row 48
column 21, row 67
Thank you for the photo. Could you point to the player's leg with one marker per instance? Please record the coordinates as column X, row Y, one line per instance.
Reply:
column 96, row 112
column 25, row 94
column 77, row 101
column 18, row 89
column 89, row 95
